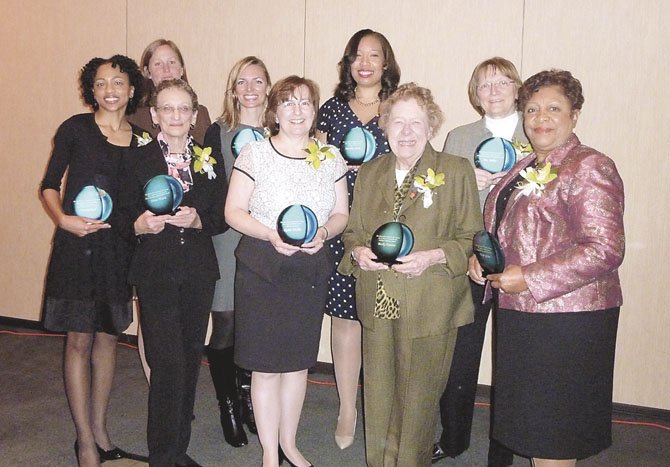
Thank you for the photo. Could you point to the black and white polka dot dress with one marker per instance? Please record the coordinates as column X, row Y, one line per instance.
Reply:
column 336, row 119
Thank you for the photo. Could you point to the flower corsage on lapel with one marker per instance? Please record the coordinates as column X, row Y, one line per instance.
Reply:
column 203, row 162
column 318, row 152
column 536, row 178
column 143, row 140
column 426, row 185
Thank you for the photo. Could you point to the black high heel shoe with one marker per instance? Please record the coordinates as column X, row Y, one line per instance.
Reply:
column 282, row 458
column 116, row 453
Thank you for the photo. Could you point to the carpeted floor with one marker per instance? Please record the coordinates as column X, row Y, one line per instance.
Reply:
column 36, row 428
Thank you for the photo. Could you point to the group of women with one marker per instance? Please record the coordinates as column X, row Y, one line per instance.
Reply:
column 557, row 214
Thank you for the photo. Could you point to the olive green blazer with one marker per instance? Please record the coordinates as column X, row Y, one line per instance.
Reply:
column 439, row 299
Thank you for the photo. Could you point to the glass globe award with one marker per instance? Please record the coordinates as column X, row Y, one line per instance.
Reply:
column 358, row 146
column 488, row 252
column 93, row 202
column 244, row 136
column 297, row 224
column 495, row 155
column 392, row 241
column 163, row 194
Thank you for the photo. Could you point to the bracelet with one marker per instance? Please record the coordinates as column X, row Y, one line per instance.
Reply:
column 327, row 233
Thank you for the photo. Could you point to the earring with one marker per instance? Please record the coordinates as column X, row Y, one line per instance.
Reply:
column 154, row 125
column 192, row 125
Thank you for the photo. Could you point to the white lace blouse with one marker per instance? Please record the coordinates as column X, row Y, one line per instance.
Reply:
column 281, row 181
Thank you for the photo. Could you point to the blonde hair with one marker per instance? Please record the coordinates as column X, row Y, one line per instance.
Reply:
column 231, row 106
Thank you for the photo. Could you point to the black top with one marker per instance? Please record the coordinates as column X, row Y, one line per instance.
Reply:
column 175, row 253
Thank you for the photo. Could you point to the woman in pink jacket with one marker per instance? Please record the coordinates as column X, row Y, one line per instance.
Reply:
column 558, row 215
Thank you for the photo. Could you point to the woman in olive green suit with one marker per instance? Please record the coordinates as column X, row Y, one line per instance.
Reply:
column 410, row 311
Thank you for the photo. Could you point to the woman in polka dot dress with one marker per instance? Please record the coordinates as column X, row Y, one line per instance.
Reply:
column 348, row 120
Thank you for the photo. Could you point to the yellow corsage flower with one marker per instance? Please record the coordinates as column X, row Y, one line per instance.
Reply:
column 536, row 179
column 144, row 139
column 427, row 184
column 203, row 162
column 318, row 152
column 522, row 149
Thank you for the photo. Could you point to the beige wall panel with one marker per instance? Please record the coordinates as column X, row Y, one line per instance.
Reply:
column 213, row 34
column 437, row 43
column 620, row 56
column 45, row 45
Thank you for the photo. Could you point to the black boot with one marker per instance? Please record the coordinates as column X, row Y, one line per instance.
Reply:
column 247, row 408
column 222, row 368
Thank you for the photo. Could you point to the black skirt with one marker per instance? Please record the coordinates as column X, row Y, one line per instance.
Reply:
column 553, row 380
column 279, row 303
column 86, row 287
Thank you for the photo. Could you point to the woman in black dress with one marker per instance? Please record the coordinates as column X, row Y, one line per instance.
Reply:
column 368, row 75
column 174, row 266
column 86, row 292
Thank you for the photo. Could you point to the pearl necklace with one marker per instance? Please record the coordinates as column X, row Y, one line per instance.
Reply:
column 365, row 104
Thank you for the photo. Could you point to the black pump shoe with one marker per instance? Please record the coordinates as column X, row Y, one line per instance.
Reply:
column 116, row 453
column 282, row 458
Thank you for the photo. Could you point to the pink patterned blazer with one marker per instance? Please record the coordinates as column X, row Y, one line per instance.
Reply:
column 569, row 241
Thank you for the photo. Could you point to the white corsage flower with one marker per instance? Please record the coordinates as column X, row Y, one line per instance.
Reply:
column 536, row 180
column 204, row 163
column 144, row 139
column 426, row 185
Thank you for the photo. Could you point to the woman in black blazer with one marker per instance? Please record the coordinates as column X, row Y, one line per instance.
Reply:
column 174, row 266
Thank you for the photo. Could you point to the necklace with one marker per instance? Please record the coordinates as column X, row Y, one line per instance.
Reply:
column 365, row 104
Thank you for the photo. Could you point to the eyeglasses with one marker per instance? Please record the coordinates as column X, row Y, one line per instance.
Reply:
column 293, row 103
column 169, row 110
column 488, row 85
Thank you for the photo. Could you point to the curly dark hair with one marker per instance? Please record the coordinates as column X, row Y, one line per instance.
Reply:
column 390, row 77
column 572, row 88
column 123, row 63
